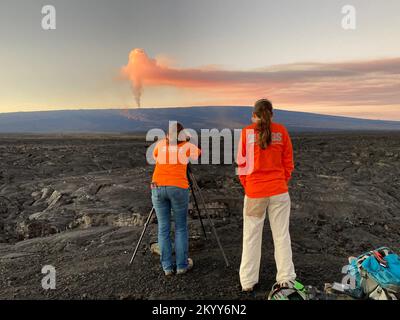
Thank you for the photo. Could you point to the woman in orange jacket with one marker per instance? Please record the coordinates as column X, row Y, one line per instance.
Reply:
column 170, row 193
column 265, row 165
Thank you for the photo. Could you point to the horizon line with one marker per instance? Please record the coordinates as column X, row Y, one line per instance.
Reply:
column 186, row 107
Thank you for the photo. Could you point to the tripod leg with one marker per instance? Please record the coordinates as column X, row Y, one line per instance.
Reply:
column 198, row 212
column 141, row 236
column 196, row 186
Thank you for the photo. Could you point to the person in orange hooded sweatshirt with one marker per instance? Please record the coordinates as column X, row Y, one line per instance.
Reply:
column 170, row 194
column 265, row 165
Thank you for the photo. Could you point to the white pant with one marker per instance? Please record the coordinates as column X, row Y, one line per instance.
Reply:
column 253, row 222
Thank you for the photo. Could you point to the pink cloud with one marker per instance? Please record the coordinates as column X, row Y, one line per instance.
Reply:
column 373, row 83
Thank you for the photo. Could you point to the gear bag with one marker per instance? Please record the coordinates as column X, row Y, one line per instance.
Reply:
column 290, row 291
column 376, row 274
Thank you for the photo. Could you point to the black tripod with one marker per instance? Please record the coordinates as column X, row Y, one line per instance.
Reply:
column 194, row 188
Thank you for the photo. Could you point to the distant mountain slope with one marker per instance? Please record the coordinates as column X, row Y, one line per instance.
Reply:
column 140, row 120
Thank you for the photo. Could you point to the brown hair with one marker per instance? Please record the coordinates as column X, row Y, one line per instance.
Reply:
column 175, row 128
column 263, row 110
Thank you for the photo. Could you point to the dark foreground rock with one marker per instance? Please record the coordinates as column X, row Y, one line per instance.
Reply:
column 79, row 204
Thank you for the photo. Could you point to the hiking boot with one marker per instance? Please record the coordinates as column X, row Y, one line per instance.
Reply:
column 190, row 267
column 248, row 289
column 168, row 273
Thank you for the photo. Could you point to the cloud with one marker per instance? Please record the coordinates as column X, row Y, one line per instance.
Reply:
column 373, row 82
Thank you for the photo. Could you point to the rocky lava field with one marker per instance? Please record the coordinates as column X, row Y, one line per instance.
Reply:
column 78, row 203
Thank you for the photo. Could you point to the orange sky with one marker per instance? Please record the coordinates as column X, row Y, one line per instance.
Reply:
column 368, row 87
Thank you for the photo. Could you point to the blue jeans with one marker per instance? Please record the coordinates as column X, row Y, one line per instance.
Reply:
column 165, row 200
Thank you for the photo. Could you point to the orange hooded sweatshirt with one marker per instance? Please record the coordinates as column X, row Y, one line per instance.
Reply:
column 265, row 173
column 171, row 163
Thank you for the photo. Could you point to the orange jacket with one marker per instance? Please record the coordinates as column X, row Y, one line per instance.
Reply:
column 264, row 173
column 171, row 163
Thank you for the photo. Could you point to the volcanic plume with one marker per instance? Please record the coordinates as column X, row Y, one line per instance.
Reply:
column 136, row 69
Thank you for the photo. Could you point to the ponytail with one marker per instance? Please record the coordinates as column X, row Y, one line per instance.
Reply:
column 263, row 110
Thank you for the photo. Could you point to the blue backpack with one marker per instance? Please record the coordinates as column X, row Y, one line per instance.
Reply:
column 376, row 275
